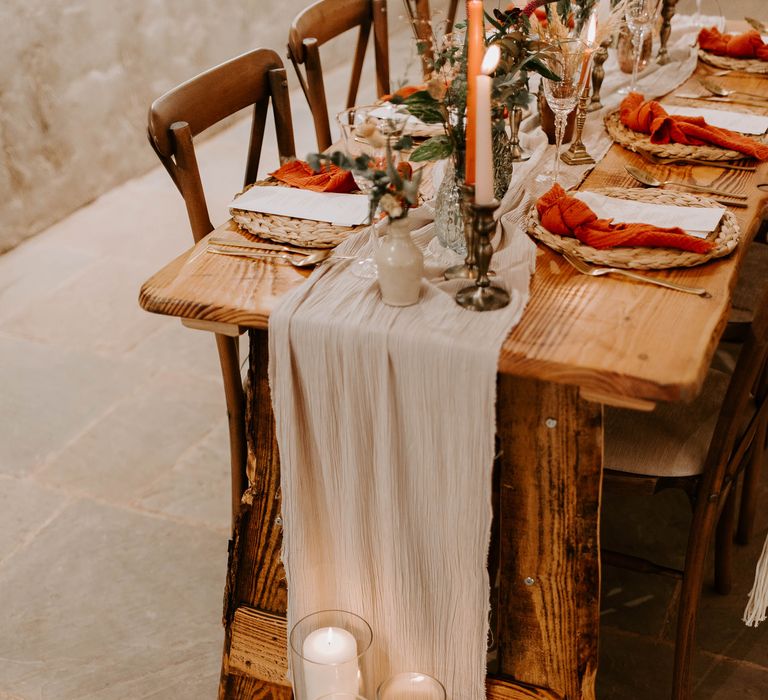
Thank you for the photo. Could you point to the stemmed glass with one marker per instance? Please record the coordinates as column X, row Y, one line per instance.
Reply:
column 698, row 20
column 568, row 60
column 639, row 15
column 365, row 131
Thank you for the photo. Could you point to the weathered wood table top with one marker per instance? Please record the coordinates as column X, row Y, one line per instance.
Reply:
column 616, row 339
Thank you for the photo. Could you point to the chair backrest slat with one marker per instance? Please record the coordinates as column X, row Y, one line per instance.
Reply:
column 318, row 24
column 420, row 16
column 746, row 391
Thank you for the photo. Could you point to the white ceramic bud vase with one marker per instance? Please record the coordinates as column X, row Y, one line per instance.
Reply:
column 400, row 265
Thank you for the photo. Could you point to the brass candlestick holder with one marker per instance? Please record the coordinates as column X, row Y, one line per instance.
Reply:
column 468, row 270
column 482, row 296
column 577, row 154
column 515, row 149
column 598, row 74
column 667, row 13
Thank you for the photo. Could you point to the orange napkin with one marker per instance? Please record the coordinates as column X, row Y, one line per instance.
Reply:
column 403, row 92
column 651, row 118
column 746, row 45
column 297, row 173
column 568, row 216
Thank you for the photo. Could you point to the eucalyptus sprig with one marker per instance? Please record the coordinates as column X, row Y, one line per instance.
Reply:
column 394, row 188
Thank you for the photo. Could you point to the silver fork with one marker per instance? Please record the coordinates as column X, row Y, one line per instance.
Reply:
column 587, row 269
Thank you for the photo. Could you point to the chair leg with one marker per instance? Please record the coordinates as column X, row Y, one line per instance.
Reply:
column 750, row 486
column 233, row 392
column 699, row 537
column 724, row 545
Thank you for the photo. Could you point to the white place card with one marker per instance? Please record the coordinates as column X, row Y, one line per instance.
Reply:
column 735, row 121
column 696, row 221
column 334, row 207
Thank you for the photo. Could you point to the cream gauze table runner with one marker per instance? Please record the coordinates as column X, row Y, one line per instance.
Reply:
column 386, row 421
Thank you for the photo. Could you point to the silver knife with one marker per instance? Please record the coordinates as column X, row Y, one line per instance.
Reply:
column 226, row 242
column 720, row 100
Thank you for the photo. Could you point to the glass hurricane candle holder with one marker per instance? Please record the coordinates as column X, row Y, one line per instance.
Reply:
column 411, row 686
column 329, row 652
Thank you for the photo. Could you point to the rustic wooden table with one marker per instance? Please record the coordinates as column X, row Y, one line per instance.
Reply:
column 582, row 343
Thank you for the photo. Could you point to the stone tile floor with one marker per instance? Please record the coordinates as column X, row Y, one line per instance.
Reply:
column 114, row 477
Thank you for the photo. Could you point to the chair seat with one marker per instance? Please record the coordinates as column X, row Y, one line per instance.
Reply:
column 672, row 440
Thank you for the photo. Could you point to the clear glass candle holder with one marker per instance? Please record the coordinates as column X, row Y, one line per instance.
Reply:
column 411, row 686
column 329, row 655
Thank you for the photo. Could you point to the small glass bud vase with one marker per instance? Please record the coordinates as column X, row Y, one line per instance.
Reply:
column 329, row 655
column 400, row 265
column 411, row 686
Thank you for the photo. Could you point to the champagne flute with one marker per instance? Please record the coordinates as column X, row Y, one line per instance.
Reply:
column 698, row 20
column 570, row 62
column 365, row 131
column 639, row 16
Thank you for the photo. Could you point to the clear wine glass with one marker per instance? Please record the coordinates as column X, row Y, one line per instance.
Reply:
column 365, row 131
column 698, row 19
column 639, row 16
column 568, row 60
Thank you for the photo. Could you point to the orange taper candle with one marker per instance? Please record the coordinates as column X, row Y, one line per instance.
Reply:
column 475, row 51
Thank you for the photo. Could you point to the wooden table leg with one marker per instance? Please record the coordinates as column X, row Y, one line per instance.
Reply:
column 549, row 557
column 255, row 662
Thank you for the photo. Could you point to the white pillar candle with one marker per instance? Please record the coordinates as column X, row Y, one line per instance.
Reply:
column 330, row 663
column 483, row 144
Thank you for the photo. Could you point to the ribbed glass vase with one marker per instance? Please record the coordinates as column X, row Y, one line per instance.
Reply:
column 449, row 222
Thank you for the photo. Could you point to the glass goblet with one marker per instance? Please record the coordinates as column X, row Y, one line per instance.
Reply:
column 366, row 131
column 567, row 59
column 639, row 16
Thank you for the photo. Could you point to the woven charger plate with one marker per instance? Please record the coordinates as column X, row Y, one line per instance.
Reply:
column 304, row 233
column 747, row 65
column 634, row 140
column 725, row 238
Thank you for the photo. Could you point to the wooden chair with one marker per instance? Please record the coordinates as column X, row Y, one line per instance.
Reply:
column 702, row 448
column 420, row 17
column 749, row 290
column 253, row 79
column 321, row 22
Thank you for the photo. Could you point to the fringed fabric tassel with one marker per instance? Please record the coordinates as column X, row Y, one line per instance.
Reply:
column 756, row 609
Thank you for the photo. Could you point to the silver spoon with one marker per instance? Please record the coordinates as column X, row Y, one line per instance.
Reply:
column 647, row 179
column 716, row 88
column 295, row 260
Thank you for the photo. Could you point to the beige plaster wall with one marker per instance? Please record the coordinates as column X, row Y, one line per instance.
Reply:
column 77, row 78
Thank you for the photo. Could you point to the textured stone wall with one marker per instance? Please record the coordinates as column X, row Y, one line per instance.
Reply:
column 77, row 78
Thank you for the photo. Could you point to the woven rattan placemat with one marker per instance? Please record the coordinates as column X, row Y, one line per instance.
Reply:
column 304, row 233
column 747, row 65
column 725, row 238
column 635, row 141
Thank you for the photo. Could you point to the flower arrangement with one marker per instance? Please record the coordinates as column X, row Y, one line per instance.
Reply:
column 442, row 100
column 568, row 19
